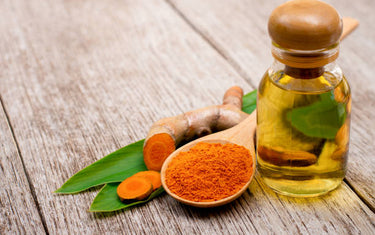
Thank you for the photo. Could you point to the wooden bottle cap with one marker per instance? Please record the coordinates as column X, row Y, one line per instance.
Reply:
column 305, row 25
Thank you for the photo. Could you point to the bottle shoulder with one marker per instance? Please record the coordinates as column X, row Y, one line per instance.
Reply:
column 327, row 78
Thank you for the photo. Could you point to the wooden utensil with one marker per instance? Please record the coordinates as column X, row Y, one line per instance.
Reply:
column 241, row 134
column 349, row 24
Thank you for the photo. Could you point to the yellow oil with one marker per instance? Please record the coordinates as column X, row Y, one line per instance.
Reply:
column 292, row 160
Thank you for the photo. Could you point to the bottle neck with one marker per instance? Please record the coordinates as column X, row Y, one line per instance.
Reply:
column 304, row 73
column 305, row 79
column 304, row 63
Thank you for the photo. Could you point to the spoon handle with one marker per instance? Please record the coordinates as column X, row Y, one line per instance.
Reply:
column 349, row 24
column 241, row 134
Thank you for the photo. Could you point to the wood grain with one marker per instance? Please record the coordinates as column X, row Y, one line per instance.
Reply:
column 80, row 79
column 18, row 211
column 239, row 32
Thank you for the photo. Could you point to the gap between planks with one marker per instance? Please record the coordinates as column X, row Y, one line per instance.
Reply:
column 360, row 195
column 32, row 189
column 237, row 68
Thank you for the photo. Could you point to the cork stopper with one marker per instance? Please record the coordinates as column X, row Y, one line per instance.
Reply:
column 305, row 25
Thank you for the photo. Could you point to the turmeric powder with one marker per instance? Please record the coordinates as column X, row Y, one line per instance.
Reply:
column 167, row 133
column 209, row 171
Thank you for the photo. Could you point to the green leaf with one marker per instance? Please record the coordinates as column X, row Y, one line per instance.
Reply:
column 321, row 119
column 114, row 167
column 249, row 102
column 107, row 199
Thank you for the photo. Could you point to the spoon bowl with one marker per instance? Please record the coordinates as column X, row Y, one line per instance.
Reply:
column 241, row 134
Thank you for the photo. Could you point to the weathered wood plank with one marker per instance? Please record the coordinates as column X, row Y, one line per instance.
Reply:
column 239, row 31
column 18, row 211
column 80, row 79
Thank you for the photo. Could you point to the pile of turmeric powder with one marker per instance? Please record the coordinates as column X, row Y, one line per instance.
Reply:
column 209, row 171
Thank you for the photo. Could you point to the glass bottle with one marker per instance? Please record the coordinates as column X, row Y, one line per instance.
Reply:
column 304, row 102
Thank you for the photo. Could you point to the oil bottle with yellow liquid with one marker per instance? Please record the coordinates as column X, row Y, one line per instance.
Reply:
column 304, row 102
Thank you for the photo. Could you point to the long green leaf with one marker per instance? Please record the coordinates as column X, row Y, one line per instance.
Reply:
column 107, row 199
column 249, row 102
column 114, row 167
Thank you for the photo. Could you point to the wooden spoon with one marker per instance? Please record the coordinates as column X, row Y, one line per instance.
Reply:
column 241, row 134
column 349, row 24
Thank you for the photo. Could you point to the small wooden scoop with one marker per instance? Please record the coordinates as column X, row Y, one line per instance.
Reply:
column 241, row 134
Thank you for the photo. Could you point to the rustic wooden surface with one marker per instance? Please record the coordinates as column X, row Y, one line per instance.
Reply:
column 80, row 79
column 18, row 208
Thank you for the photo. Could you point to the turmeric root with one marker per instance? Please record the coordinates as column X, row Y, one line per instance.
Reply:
column 342, row 142
column 167, row 133
column 280, row 157
column 134, row 188
column 153, row 176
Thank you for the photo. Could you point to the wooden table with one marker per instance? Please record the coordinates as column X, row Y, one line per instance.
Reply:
column 82, row 78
